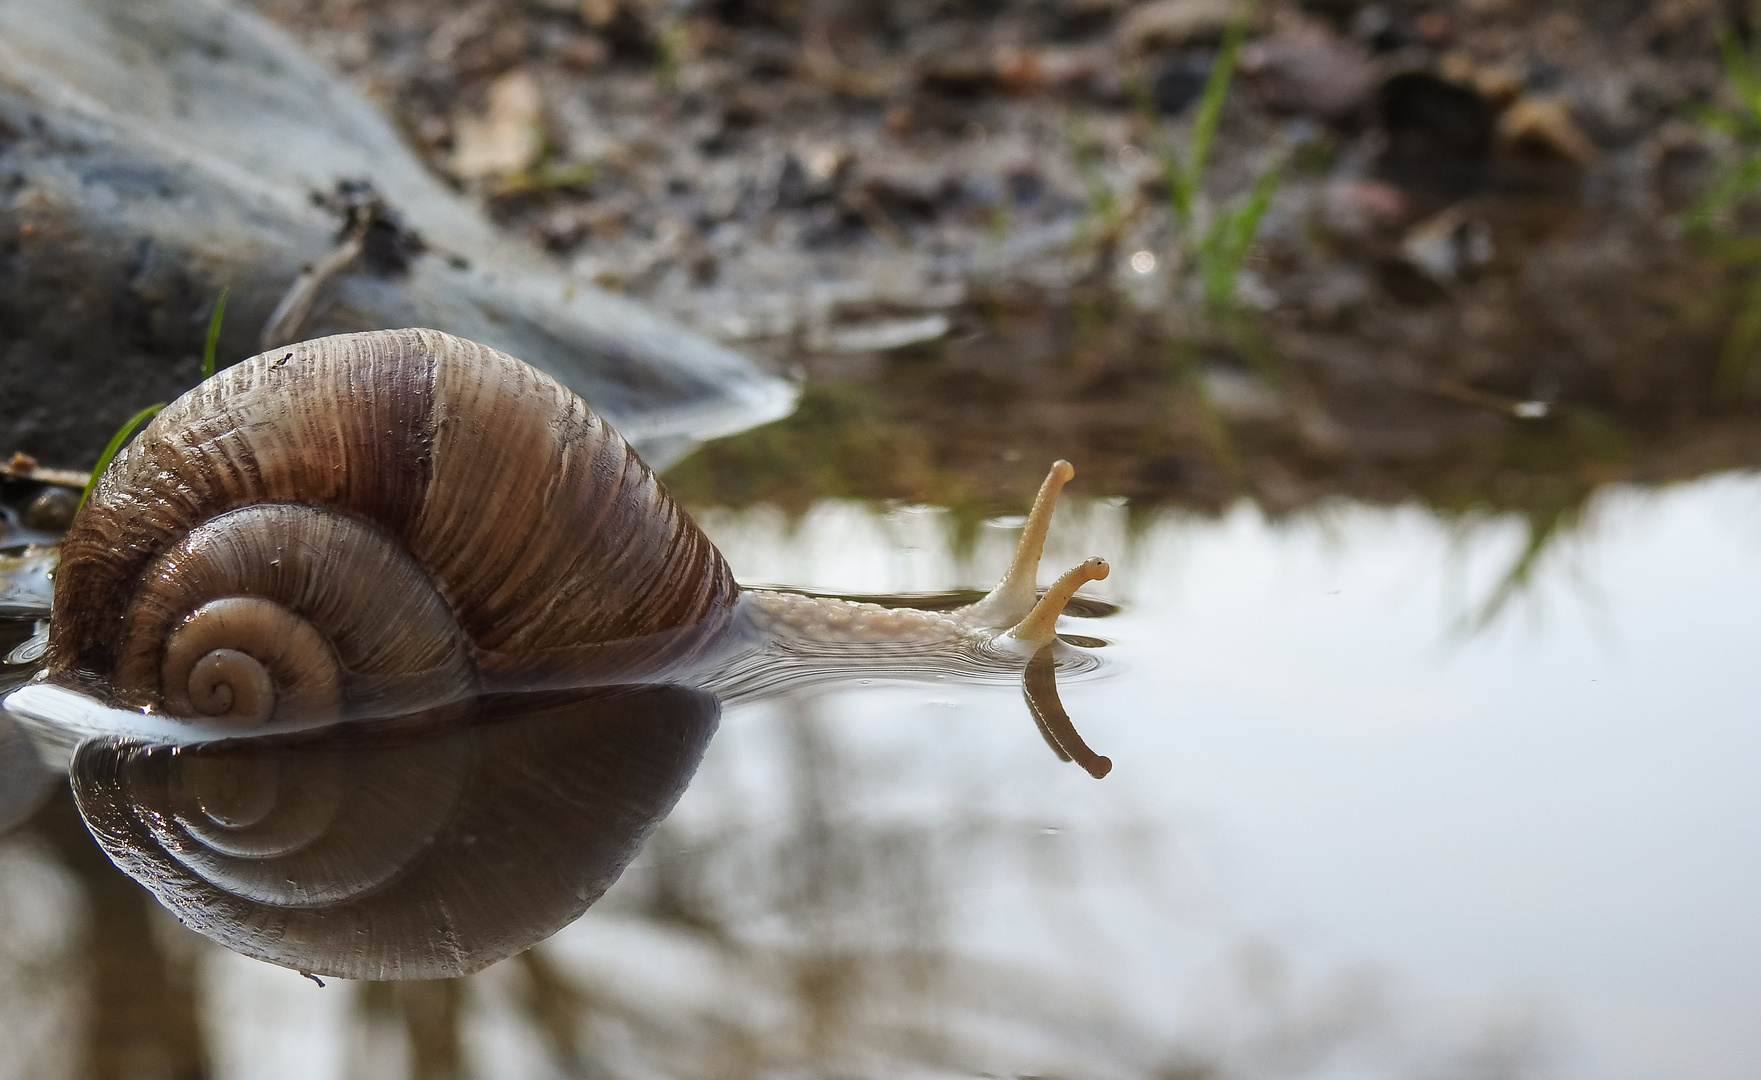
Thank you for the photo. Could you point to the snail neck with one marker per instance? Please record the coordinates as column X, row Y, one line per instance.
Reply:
column 1014, row 615
column 786, row 618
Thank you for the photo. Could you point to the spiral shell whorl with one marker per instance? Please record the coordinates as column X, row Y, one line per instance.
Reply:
column 324, row 610
column 346, row 490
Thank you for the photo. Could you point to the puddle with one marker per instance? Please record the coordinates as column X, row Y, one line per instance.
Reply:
column 1353, row 763
column 1344, row 829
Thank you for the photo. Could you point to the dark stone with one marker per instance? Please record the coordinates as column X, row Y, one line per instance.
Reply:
column 1181, row 82
column 1025, row 186
column 1439, row 136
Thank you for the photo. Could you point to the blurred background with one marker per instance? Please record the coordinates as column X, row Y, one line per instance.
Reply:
column 1407, row 353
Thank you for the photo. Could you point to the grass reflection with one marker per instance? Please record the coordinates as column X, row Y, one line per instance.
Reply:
column 913, row 434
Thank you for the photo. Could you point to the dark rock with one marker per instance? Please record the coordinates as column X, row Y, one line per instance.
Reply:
column 1377, row 27
column 161, row 150
column 1180, row 82
column 1026, row 186
column 1439, row 135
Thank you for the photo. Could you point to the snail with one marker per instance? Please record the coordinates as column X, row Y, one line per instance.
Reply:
column 386, row 523
column 380, row 655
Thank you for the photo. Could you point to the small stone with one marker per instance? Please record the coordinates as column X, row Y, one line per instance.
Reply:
column 1541, row 127
column 52, row 510
column 1448, row 245
column 1026, row 70
column 1163, row 24
column 563, row 230
column 1358, row 208
column 1242, row 397
column 1181, row 82
column 508, row 136
column 1309, row 75
column 582, row 52
column 1497, row 83
column 598, row 12
column 813, row 176
column 1337, row 291
column 1434, row 27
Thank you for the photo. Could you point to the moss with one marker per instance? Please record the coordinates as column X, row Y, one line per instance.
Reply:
column 841, row 442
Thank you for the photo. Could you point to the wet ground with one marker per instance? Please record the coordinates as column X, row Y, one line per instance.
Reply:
column 1434, row 551
column 959, row 221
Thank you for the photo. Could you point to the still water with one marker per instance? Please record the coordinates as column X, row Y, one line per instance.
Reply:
column 1364, row 820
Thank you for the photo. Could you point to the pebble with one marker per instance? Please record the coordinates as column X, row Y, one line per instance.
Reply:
column 1309, row 75
column 52, row 510
column 1173, row 23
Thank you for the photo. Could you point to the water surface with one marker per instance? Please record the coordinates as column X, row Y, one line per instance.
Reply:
column 1362, row 822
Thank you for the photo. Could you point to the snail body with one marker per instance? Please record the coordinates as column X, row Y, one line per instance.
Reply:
column 382, row 523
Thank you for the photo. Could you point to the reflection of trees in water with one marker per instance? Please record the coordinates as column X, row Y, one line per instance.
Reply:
column 813, row 928
column 409, row 1027
column 820, row 930
column 102, row 982
column 39, row 980
column 836, row 920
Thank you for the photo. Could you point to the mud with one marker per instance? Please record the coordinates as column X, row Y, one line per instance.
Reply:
column 1474, row 280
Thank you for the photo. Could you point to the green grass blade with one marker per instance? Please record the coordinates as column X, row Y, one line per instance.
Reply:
column 1740, row 70
column 1247, row 220
column 1740, row 345
column 1720, row 121
column 1240, row 330
column 114, row 447
column 1173, row 172
column 1735, row 183
column 1231, row 235
column 1213, row 262
column 1210, row 106
column 213, row 335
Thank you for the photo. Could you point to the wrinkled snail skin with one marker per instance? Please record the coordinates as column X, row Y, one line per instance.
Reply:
column 383, row 523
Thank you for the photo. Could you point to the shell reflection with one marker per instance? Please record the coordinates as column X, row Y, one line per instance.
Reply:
column 408, row 850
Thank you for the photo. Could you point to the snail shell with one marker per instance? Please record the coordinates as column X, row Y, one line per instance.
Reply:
column 419, row 850
column 372, row 524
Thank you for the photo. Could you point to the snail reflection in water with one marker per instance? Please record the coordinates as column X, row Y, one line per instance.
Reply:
column 388, row 522
column 407, row 850
column 415, row 652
